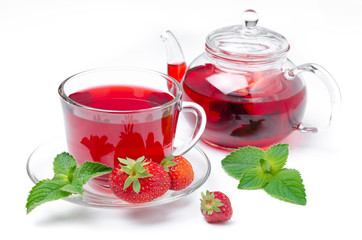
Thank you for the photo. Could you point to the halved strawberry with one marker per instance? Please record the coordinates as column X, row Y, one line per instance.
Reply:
column 180, row 171
column 149, row 180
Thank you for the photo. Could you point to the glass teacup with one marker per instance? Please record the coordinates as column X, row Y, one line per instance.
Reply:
column 116, row 112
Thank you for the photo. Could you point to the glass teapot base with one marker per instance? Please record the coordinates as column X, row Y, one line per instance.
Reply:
column 233, row 148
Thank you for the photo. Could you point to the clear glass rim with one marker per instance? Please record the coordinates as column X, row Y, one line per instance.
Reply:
column 70, row 101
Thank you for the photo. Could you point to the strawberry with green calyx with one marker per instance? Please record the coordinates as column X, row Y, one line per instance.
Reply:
column 215, row 207
column 180, row 171
column 139, row 181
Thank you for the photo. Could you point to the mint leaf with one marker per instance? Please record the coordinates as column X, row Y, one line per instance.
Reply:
column 256, row 169
column 83, row 174
column 277, row 156
column 68, row 179
column 76, row 187
column 237, row 162
column 254, row 178
column 265, row 165
column 45, row 191
column 287, row 185
column 89, row 170
column 64, row 166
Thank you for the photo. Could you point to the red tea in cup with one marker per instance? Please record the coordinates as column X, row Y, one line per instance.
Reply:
column 124, row 113
column 105, row 142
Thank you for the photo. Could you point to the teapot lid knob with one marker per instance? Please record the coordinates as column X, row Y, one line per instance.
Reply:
column 250, row 18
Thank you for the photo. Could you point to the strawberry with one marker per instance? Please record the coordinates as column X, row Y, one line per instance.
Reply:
column 149, row 180
column 180, row 171
column 216, row 207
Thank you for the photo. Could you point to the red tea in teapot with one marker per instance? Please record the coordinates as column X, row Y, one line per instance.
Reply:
column 245, row 108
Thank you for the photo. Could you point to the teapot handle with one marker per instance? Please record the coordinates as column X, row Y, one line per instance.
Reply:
column 329, row 83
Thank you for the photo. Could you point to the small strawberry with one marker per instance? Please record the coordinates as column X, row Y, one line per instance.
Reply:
column 216, row 207
column 149, row 180
column 180, row 171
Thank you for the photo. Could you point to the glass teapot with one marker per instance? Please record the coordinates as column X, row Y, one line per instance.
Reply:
column 251, row 92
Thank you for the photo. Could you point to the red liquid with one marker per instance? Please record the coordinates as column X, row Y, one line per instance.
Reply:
column 258, row 109
column 177, row 71
column 105, row 137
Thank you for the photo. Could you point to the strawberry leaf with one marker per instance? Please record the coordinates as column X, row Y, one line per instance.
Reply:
column 209, row 203
column 136, row 186
column 128, row 182
column 140, row 159
column 135, row 170
column 167, row 162
column 124, row 161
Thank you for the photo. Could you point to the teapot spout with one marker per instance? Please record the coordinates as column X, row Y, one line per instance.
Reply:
column 176, row 65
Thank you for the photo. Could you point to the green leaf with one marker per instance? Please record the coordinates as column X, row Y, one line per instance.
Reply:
column 138, row 167
column 68, row 179
column 265, row 165
column 277, row 156
column 237, row 162
column 89, row 170
column 254, row 178
column 125, row 161
column 167, row 162
column 209, row 203
column 140, row 159
column 287, row 185
column 136, row 186
column 75, row 188
column 128, row 182
column 45, row 191
column 83, row 174
column 64, row 166
column 135, row 169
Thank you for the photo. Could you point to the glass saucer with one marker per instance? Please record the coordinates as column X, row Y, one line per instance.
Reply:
column 40, row 166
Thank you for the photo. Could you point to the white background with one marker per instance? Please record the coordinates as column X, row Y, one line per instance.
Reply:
column 44, row 42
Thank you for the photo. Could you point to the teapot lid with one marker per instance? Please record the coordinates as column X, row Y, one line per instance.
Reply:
column 246, row 42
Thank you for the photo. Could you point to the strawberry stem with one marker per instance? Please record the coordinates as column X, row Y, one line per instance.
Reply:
column 167, row 162
column 209, row 203
column 135, row 169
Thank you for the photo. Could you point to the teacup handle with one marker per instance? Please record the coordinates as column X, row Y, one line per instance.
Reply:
column 329, row 83
column 198, row 130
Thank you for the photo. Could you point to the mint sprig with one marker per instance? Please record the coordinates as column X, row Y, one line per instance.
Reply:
column 258, row 169
column 68, row 179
